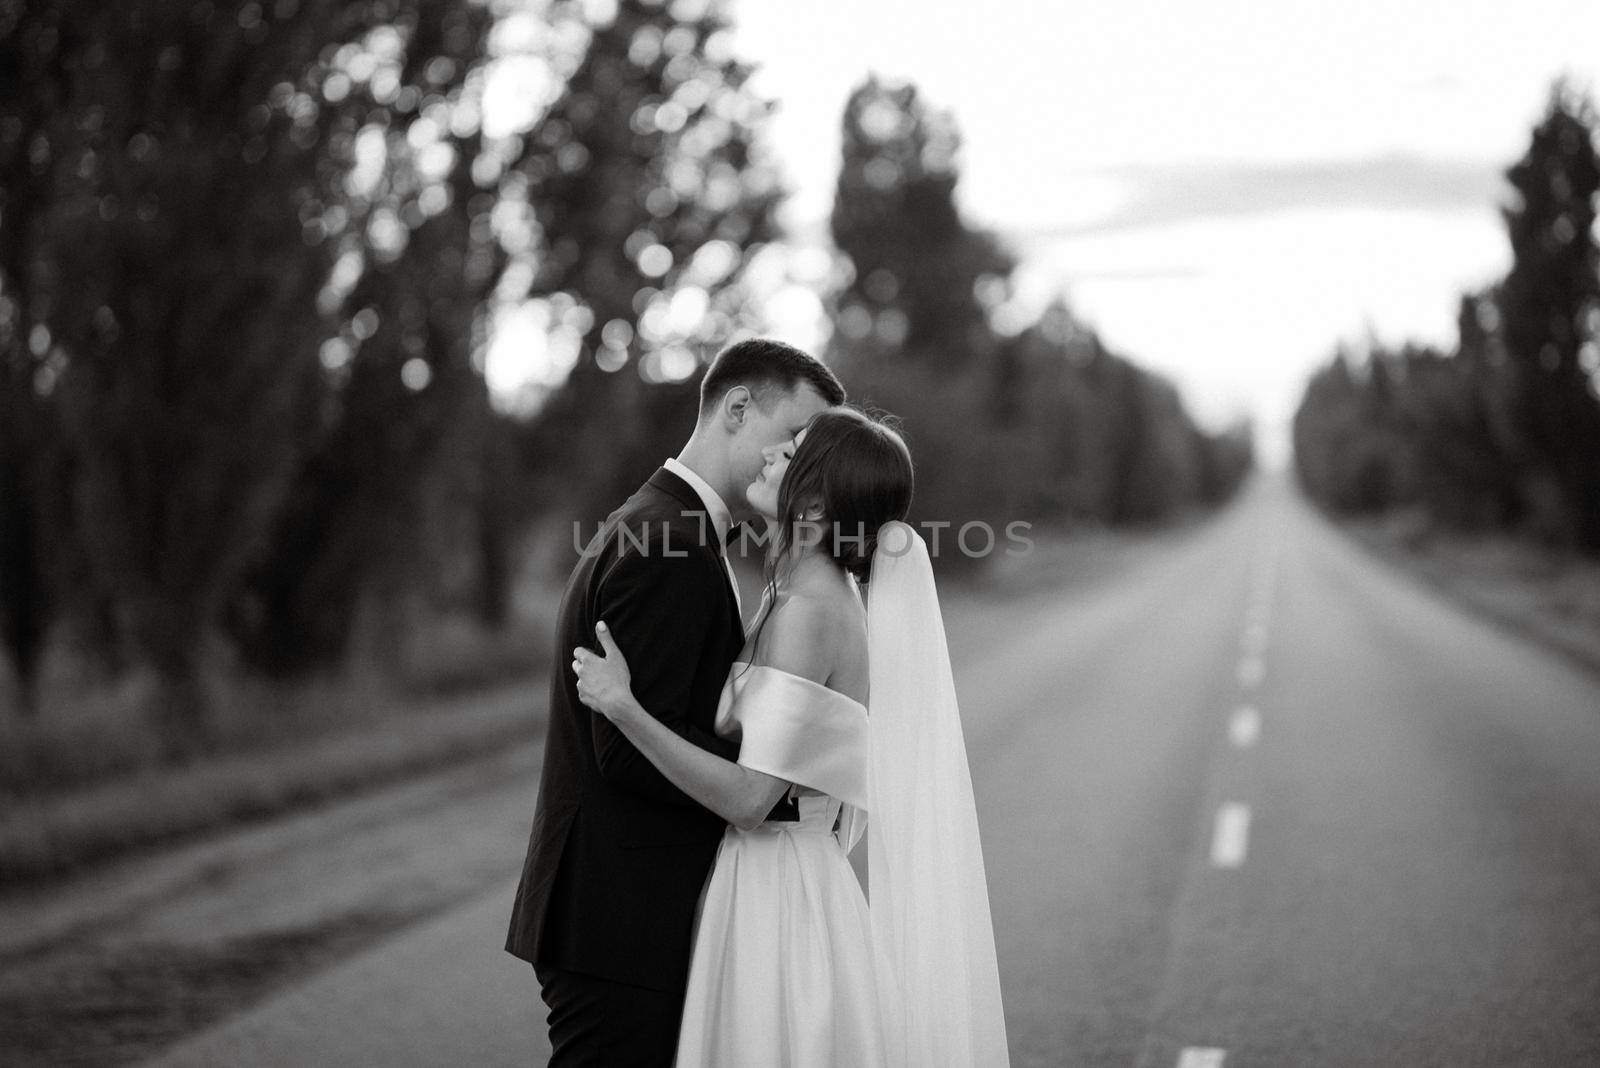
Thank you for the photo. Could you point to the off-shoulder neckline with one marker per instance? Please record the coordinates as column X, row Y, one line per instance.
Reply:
column 746, row 665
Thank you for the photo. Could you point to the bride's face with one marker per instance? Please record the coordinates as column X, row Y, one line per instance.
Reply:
column 763, row 492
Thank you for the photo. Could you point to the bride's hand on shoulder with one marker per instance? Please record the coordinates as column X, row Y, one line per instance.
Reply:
column 604, row 683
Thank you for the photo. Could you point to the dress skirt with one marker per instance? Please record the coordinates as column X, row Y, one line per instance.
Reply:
column 783, row 973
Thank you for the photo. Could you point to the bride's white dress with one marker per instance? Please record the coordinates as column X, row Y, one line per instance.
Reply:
column 784, row 973
column 790, row 969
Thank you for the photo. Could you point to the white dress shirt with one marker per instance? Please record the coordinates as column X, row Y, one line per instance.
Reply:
column 721, row 518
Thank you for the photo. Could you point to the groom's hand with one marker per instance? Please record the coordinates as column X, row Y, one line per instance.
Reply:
column 604, row 682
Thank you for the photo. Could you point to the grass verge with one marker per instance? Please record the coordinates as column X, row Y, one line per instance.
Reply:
column 75, row 1008
column 1550, row 596
column 50, row 836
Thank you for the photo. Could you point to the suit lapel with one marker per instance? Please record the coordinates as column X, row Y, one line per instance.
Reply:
column 673, row 486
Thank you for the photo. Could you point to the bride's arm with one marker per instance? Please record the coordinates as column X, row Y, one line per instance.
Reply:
column 739, row 795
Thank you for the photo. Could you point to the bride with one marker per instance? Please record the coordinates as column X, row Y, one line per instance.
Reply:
column 847, row 719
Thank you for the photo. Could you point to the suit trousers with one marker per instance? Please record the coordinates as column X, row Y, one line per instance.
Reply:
column 597, row 1023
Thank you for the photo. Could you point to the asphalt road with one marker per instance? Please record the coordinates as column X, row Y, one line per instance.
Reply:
column 1268, row 802
column 1258, row 800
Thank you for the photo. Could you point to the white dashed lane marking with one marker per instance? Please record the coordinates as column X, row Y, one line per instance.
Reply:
column 1244, row 727
column 1230, row 841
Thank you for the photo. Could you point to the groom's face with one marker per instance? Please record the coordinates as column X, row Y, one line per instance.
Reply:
column 785, row 414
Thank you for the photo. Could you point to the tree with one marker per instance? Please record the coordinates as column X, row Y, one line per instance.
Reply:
column 1549, row 307
column 250, row 254
column 911, row 328
column 922, row 280
column 1157, row 467
column 651, row 194
column 179, row 292
column 1042, row 421
column 1456, row 421
column 1335, row 451
column 1504, row 433
column 33, row 516
column 398, row 453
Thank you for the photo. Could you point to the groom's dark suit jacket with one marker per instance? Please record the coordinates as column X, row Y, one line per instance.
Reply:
column 618, row 855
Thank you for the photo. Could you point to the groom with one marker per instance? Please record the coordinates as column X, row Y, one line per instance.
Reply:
column 618, row 855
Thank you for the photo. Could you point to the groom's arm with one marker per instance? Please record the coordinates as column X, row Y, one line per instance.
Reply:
column 659, row 609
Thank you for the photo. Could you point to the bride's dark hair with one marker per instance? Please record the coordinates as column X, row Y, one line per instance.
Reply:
column 857, row 469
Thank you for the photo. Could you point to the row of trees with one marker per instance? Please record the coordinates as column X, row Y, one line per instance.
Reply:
column 1503, row 432
column 251, row 255
column 1042, row 424
column 250, row 258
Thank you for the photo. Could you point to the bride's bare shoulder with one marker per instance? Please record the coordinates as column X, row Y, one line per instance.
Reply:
column 815, row 632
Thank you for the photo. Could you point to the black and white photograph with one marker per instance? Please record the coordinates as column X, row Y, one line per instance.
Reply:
column 718, row 534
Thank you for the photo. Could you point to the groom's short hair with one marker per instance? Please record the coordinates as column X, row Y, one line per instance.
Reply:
column 762, row 365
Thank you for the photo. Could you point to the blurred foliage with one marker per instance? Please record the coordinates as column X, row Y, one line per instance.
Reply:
column 1549, row 309
column 1503, row 434
column 652, row 195
column 1042, row 423
column 400, row 429
column 169, row 322
column 254, row 257
column 258, row 354
column 251, row 255
column 922, row 280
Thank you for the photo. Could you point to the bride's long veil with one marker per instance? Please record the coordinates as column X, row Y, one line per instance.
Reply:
column 928, row 897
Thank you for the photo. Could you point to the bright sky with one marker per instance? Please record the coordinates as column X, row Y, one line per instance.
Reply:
column 1223, row 190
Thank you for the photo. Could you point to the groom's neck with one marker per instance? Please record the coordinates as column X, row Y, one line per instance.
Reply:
column 703, row 457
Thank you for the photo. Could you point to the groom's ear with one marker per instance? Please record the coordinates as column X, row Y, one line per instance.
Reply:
column 735, row 407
